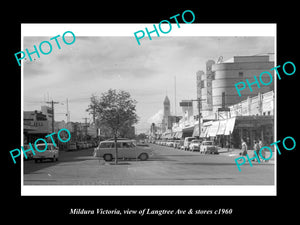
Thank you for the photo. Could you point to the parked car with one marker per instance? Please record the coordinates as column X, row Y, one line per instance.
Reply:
column 187, row 142
column 50, row 153
column 207, row 147
column 176, row 143
column 72, row 146
column 179, row 144
column 126, row 149
column 169, row 143
column 195, row 145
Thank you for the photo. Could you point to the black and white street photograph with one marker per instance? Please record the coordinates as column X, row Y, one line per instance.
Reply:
column 175, row 110
column 150, row 112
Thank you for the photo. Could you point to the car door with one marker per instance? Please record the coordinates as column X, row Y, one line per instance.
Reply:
column 126, row 150
column 132, row 150
column 121, row 152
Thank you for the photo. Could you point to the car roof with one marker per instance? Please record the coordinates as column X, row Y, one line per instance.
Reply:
column 44, row 144
column 112, row 139
column 123, row 140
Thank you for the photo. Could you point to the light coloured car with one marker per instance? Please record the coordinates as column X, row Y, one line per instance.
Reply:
column 169, row 143
column 208, row 147
column 187, row 142
column 126, row 149
column 50, row 153
column 195, row 145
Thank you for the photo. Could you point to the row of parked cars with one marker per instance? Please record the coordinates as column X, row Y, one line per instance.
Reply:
column 190, row 144
column 81, row 145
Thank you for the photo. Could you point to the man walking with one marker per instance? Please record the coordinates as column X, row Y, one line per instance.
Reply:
column 244, row 148
column 263, row 154
column 256, row 149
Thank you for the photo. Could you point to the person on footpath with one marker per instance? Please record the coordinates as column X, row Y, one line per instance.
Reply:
column 263, row 154
column 244, row 148
column 256, row 149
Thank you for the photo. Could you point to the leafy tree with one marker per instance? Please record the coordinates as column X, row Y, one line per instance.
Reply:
column 115, row 110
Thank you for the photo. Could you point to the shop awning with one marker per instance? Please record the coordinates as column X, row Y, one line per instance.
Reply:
column 196, row 131
column 222, row 127
column 179, row 134
column 203, row 131
column 229, row 126
column 213, row 129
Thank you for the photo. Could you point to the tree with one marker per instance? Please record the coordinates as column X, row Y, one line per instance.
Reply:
column 114, row 110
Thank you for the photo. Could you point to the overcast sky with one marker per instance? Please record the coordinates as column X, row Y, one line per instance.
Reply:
column 92, row 65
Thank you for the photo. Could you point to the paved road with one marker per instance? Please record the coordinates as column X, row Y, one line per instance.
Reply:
column 168, row 166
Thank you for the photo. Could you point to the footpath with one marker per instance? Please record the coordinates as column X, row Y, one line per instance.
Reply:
column 236, row 153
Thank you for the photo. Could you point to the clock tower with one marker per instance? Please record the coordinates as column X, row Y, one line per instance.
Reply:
column 167, row 112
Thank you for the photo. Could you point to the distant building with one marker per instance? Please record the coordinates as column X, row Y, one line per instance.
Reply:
column 35, row 125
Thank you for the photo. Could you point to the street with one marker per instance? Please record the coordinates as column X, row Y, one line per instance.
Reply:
column 167, row 166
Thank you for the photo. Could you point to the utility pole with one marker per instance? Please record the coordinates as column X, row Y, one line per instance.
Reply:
column 175, row 95
column 52, row 106
column 199, row 112
column 68, row 113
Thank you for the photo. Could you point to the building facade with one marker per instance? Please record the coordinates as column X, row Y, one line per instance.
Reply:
column 217, row 85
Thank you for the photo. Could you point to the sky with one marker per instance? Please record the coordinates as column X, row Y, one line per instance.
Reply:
column 92, row 65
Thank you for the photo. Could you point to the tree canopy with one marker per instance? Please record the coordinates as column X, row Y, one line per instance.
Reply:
column 115, row 110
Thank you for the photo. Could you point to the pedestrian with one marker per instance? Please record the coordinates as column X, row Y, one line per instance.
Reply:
column 244, row 148
column 227, row 145
column 263, row 154
column 256, row 149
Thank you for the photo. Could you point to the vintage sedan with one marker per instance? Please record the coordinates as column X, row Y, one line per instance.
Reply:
column 46, row 152
column 208, row 147
column 195, row 145
column 126, row 149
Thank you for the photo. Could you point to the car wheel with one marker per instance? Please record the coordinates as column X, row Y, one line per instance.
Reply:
column 107, row 157
column 35, row 160
column 143, row 156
